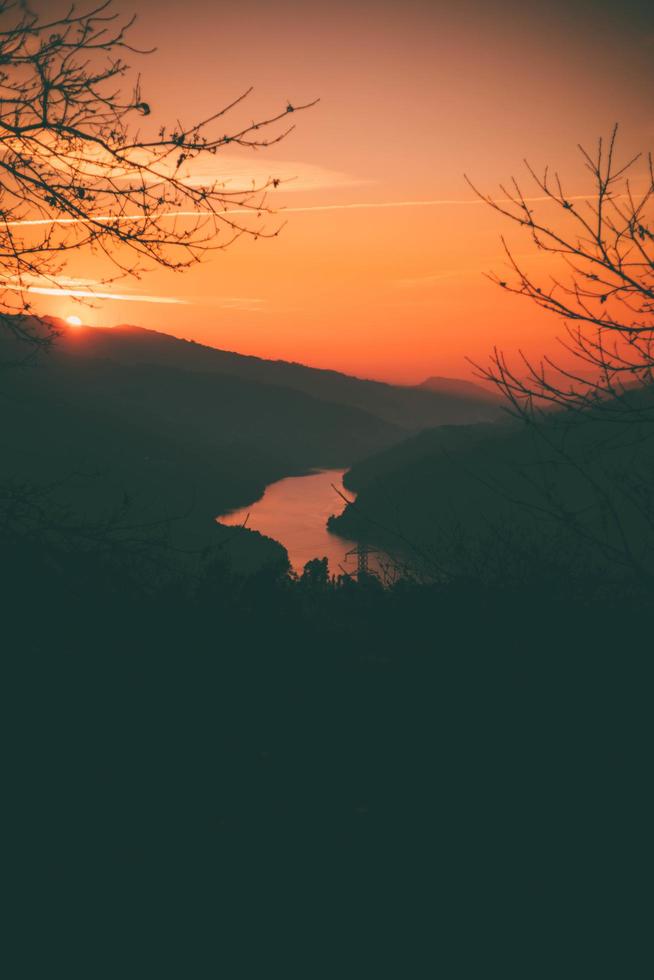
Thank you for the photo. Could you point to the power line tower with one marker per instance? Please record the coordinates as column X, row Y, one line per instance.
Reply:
column 363, row 552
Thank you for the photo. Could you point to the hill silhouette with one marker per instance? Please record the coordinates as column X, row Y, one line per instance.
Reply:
column 455, row 497
column 97, row 435
column 446, row 438
column 407, row 408
column 461, row 389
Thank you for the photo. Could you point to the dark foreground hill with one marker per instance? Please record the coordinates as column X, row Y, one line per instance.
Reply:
column 387, row 463
column 412, row 782
column 575, row 489
column 87, row 449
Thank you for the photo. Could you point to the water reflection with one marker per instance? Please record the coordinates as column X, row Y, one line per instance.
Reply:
column 294, row 512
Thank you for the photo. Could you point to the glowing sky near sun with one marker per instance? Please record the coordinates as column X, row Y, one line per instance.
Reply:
column 379, row 270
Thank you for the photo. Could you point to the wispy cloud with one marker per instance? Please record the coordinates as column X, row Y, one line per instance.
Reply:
column 78, row 289
column 236, row 175
column 90, row 294
column 92, row 289
column 239, row 174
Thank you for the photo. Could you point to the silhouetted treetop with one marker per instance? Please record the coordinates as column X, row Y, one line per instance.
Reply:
column 603, row 287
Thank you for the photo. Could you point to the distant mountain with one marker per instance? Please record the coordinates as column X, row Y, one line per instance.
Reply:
column 461, row 389
column 406, row 408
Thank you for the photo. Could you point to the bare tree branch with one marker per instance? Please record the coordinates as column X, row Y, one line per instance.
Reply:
column 605, row 292
column 76, row 172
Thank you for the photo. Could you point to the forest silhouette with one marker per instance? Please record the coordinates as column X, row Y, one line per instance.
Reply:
column 449, row 752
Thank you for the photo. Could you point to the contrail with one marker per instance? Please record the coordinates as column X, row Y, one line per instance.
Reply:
column 421, row 204
column 357, row 206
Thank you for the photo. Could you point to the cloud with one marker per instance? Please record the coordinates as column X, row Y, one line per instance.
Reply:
column 27, row 279
column 233, row 174
column 236, row 175
column 239, row 174
column 92, row 294
column 77, row 289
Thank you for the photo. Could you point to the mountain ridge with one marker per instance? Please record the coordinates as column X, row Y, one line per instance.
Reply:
column 410, row 408
column 461, row 387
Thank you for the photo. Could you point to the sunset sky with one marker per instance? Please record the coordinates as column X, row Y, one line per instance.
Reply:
column 379, row 270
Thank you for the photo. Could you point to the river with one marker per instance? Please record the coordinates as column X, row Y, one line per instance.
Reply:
column 294, row 511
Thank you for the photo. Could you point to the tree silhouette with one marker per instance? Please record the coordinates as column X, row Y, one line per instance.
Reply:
column 316, row 574
column 591, row 413
column 76, row 171
column 604, row 291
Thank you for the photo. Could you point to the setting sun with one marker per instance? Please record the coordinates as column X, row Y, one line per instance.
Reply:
column 73, row 321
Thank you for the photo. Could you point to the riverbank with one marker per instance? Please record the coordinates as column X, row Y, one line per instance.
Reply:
column 294, row 511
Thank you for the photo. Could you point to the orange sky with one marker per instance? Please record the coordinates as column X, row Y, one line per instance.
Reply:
column 412, row 96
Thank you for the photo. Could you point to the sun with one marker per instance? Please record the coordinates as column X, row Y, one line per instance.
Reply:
column 73, row 321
